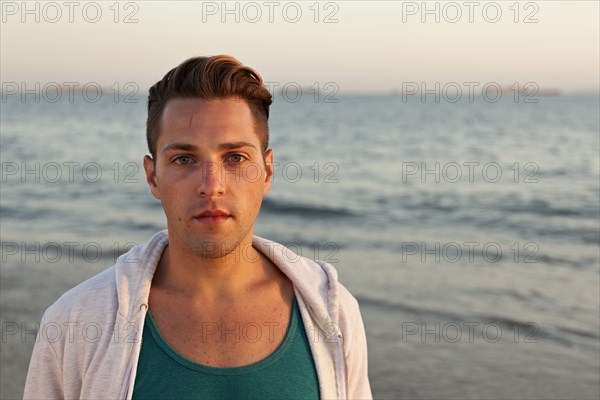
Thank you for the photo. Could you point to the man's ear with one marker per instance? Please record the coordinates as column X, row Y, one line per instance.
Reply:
column 150, row 168
column 269, row 171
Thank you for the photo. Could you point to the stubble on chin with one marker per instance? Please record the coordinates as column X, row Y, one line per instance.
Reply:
column 207, row 247
column 210, row 250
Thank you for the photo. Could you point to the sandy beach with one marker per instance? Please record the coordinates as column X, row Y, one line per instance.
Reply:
column 400, row 365
column 26, row 290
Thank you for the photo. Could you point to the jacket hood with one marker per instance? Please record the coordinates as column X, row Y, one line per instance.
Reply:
column 314, row 280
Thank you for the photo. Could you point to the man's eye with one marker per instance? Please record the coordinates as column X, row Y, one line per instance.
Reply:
column 236, row 158
column 183, row 160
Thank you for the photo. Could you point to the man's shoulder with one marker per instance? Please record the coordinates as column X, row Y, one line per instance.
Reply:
column 346, row 299
column 347, row 304
column 90, row 297
column 98, row 296
column 344, row 296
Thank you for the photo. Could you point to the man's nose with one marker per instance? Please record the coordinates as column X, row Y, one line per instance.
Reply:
column 211, row 182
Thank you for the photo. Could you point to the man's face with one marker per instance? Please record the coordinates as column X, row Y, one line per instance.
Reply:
column 209, row 174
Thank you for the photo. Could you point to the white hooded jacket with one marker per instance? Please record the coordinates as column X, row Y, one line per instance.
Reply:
column 89, row 340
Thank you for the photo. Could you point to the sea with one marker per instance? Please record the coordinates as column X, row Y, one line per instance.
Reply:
column 468, row 231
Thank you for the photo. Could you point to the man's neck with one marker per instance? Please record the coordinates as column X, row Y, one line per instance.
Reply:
column 187, row 275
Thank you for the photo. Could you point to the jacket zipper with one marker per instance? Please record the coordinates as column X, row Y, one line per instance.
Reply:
column 136, row 361
column 344, row 383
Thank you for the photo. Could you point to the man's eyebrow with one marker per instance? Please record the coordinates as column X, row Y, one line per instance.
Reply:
column 222, row 146
column 235, row 145
column 179, row 146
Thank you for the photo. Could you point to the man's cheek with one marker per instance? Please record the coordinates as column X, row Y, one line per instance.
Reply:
column 251, row 173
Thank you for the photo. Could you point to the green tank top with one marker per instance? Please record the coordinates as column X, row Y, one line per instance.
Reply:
column 288, row 373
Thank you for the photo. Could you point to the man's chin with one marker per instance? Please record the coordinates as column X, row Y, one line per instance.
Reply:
column 211, row 247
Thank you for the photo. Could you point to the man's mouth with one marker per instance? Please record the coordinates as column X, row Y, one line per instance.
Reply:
column 212, row 217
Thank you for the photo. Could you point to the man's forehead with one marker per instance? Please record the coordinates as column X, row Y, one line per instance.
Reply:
column 217, row 121
column 227, row 113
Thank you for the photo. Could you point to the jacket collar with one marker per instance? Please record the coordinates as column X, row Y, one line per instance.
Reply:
column 315, row 281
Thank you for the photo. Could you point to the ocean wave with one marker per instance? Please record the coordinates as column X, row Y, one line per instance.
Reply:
column 303, row 210
column 535, row 330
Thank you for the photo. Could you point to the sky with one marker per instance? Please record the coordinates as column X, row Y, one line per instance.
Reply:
column 360, row 46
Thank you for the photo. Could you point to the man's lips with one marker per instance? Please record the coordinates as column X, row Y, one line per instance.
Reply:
column 212, row 217
column 213, row 213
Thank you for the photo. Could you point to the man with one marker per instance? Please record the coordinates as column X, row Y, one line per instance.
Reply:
column 205, row 309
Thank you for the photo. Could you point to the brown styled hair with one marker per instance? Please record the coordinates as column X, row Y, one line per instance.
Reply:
column 216, row 77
